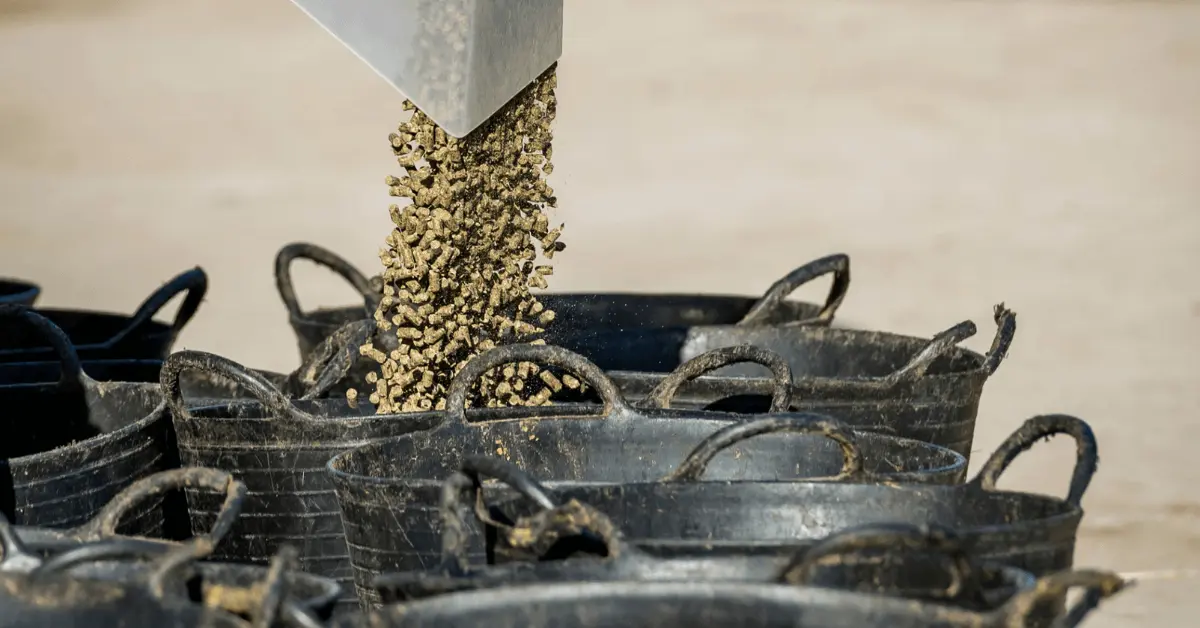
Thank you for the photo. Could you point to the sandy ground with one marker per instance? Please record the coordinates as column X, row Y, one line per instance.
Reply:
column 963, row 153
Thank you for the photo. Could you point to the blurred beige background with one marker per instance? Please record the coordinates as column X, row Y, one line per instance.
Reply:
column 1046, row 154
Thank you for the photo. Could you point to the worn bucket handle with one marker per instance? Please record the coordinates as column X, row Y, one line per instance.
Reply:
column 940, row 344
column 1006, row 328
column 326, row 258
column 274, row 587
column 194, row 282
column 781, row 395
column 838, row 264
column 470, row 476
column 545, row 526
column 331, row 361
column 277, row 405
column 937, row 346
column 14, row 556
column 614, row 402
column 696, row 463
column 104, row 524
column 72, row 369
column 1034, row 430
column 1098, row 585
column 936, row 539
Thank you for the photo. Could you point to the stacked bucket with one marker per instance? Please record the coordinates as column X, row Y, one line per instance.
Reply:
column 731, row 461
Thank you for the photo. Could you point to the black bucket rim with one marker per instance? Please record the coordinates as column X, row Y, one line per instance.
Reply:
column 77, row 446
column 72, row 373
column 784, row 599
column 942, row 344
column 192, row 283
column 14, row 290
column 954, row 461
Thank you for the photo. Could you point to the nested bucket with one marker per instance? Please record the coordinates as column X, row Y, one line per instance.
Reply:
column 585, row 311
column 94, row 553
column 923, row 388
column 73, row 442
column 721, row 605
column 278, row 447
column 388, row 490
column 102, row 335
column 573, row 542
column 684, row 516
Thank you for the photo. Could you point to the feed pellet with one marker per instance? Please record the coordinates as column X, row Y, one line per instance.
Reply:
column 465, row 254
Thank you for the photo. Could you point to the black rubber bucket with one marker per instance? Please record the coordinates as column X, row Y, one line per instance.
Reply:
column 48, row 542
column 693, row 518
column 48, row 598
column 575, row 543
column 72, row 443
column 128, row 394
column 584, row 311
column 279, row 448
column 96, row 553
column 17, row 292
column 927, row 389
column 722, row 605
column 103, row 336
column 388, row 490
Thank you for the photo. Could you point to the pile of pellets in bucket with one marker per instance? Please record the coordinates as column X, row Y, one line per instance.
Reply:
column 463, row 256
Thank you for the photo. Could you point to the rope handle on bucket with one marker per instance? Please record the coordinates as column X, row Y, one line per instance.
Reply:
column 194, row 282
column 802, row 570
column 72, row 368
column 838, row 264
column 330, row 362
column 326, row 258
column 615, row 405
column 104, row 524
column 940, row 344
column 1097, row 585
column 1034, row 430
column 274, row 401
column 781, row 394
column 696, row 463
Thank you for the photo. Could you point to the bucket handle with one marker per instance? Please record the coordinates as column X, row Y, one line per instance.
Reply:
column 696, row 462
column 104, row 524
column 1098, row 585
column 469, row 477
column 194, row 282
column 838, row 264
column 276, row 404
column 326, row 258
column 801, row 570
column 1035, row 429
column 1006, row 327
column 330, row 362
column 72, row 368
column 535, row 532
column 781, row 396
column 614, row 402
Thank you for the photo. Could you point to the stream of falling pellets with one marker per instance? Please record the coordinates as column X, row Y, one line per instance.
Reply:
column 465, row 254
